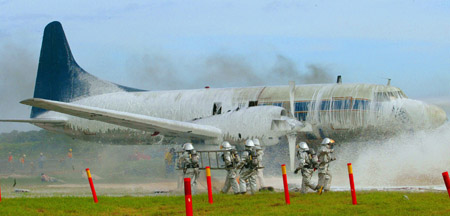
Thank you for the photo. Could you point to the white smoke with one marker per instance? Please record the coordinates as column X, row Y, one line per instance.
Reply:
column 18, row 67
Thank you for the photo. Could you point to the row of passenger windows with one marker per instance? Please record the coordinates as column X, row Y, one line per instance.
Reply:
column 303, row 106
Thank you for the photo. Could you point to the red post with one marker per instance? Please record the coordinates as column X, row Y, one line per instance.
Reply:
column 188, row 196
column 352, row 183
column 208, row 182
column 91, row 183
column 285, row 183
column 447, row 182
column 0, row 193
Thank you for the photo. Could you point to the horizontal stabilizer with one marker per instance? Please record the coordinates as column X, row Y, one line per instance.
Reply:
column 165, row 127
column 36, row 121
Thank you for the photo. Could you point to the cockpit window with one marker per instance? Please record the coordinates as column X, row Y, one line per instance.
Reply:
column 388, row 96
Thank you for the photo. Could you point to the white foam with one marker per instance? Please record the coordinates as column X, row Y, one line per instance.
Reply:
column 417, row 158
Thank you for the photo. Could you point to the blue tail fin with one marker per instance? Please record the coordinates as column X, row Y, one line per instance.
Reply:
column 60, row 78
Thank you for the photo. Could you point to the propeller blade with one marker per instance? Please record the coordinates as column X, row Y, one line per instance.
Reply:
column 292, row 97
column 291, row 140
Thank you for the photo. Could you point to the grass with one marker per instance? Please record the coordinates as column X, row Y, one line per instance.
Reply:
column 333, row 203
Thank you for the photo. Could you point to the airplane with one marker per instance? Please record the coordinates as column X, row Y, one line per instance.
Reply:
column 71, row 101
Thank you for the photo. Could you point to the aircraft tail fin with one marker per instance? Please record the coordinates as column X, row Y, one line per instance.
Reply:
column 60, row 78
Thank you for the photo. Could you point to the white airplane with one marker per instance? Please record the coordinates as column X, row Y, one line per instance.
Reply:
column 69, row 100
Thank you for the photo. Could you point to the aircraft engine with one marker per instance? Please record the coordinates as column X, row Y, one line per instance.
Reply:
column 267, row 123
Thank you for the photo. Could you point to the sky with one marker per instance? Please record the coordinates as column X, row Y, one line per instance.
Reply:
column 161, row 45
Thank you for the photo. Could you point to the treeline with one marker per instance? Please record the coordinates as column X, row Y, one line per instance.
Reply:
column 32, row 143
column 31, row 136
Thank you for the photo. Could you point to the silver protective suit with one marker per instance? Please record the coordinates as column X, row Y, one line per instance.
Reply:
column 189, row 162
column 231, row 160
column 307, row 162
column 325, row 158
column 249, row 171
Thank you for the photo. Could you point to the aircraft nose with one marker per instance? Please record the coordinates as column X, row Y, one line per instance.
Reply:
column 437, row 115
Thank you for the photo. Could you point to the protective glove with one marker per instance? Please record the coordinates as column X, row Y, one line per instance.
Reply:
column 296, row 170
column 311, row 151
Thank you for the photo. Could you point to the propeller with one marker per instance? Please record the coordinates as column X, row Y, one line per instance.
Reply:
column 292, row 97
column 291, row 140
column 291, row 137
column 291, row 126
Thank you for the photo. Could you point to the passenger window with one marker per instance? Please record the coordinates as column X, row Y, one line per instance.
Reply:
column 342, row 103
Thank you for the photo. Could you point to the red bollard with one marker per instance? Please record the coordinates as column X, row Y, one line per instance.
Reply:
column 94, row 194
column 208, row 182
column 188, row 196
column 285, row 183
column 447, row 182
column 352, row 183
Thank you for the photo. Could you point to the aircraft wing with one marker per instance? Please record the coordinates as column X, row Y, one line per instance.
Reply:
column 165, row 127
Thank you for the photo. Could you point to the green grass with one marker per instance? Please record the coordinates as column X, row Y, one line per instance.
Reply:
column 334, row 203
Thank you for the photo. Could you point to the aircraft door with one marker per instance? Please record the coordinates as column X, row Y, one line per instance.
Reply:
column 252, row 103
column 217, row 108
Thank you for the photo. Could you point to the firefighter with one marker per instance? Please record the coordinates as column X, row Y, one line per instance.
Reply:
column 249, row 168
column 189, row 163
column 326, row 148
column 231, row 159
column 307, row 164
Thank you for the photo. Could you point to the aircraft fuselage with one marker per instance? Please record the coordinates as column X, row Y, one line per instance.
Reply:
column 342, row 111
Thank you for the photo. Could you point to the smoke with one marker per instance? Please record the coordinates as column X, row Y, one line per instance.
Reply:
column 158, row 72
column 317, row 74
column 155, row 72
column 285, row 69
column 230, row 71
column 17, row 76
column 17, row 67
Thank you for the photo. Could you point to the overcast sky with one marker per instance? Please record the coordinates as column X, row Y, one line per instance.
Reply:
column 190, row 44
